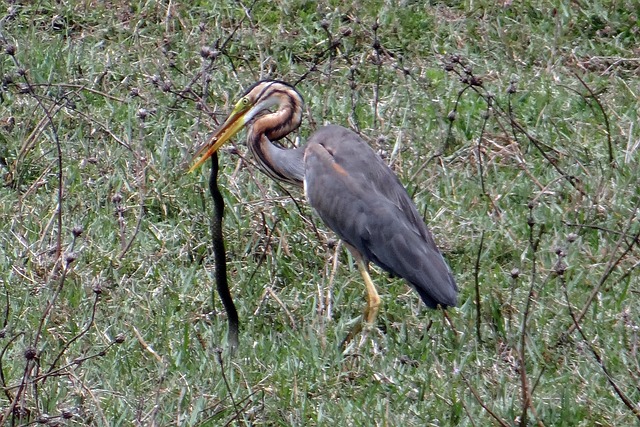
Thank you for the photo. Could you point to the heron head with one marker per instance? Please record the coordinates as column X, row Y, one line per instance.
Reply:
column 260, row 97
column 242, row 113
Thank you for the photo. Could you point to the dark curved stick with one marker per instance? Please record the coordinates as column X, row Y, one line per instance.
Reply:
column 220, row 256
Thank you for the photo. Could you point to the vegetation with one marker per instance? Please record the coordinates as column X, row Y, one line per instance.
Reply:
column 512, row 124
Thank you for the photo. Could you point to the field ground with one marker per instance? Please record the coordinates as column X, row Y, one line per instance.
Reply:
column 514, row 126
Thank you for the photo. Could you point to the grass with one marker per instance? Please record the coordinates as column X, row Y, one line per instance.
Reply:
column 531, row 191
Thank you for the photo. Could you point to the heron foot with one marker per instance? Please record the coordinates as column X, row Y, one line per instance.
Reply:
column 370, row 310
column 366, row 323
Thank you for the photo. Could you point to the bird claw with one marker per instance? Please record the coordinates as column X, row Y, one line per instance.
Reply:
column 367, row 332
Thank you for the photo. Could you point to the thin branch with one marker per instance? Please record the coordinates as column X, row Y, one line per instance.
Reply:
column 625, row 399
column 80, row 88
column 479, row 146
column 604, row 115
column 473, row 391
column 56, row 139
column 5, row 322
column 267, row 245
column 533, row 246
column 476, row 276
column 332, row 279
column 376, row 89
column 141, row 211
column 611, row 266
column 2, row 378
column 218, row 352
column 80, row 334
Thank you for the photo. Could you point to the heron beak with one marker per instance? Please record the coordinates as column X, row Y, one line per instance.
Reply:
column 236, row 120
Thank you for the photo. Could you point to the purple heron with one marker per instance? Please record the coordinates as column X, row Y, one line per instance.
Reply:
column 353, row 191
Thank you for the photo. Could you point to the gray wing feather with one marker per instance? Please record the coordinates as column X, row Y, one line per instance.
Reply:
column 364, row 203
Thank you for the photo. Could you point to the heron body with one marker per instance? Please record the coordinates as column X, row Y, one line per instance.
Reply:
column 373, row 213
column 350, row 187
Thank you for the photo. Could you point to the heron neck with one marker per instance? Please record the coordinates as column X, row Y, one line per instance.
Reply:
column 282, row 164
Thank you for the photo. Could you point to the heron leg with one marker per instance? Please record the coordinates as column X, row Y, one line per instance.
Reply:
column 373, row 303
column 373, row 299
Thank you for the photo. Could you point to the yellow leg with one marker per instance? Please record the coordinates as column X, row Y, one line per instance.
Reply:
column 373, row 299
column 373, row 303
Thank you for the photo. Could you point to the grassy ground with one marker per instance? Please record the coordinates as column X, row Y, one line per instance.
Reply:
column 513, row 126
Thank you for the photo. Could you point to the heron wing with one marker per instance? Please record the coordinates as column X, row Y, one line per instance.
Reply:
column 350, row 151
column 363, row 202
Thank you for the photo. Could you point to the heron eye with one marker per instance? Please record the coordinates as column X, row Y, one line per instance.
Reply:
column 245, row 101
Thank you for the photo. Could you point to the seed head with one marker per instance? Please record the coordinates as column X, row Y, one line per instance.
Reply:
column 30, row 353
column 77, row 231
column 97, row 288
column 205, row 51
column 71, row 257
column 475, row 81
column 561, row 267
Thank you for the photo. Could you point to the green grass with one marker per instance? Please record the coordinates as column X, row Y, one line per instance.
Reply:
column 120, row 95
